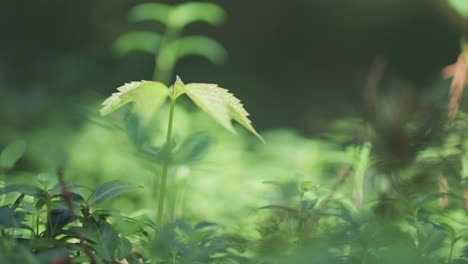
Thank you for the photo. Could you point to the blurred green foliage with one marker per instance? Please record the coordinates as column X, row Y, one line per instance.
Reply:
column 371, row 172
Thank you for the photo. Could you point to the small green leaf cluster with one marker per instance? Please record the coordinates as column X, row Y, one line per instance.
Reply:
column 51, row 222
column 169, row 47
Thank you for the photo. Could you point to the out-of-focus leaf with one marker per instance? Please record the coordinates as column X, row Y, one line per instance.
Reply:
column 220, row 105
column 430, row 198
column 197, row 45
column 57, row 189
column 111, row 190
column 461, row 6
column 279, row 207
column 18, row 201
column 187, row 13
column 10, row 218
column 144, row 41
column 53, row 255
column 30, row 190
column 449, row 230
column 124, row 249
column 104, row 238
column 147, row 98
column 150, row 12
column 12, row 153
column 135, row 132
column 58, row 219
column 193, row 148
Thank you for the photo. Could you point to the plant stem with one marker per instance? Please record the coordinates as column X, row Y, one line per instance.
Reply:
column 162, row 186
column 164, row 59
column 452, row 245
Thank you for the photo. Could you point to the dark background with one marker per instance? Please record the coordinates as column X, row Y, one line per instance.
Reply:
column 294, row 63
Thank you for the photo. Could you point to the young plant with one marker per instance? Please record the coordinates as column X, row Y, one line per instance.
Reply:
column 53, row 223
column 217, row 102
column 168, row 47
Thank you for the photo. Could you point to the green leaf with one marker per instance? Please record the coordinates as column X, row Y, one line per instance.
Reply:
column 30, row 190
column 177, row 89
column 10, row 218
column 111, row 190
column 187, row 13
column 429, row 198
column 144, row 41
column 124, row 249
column 193, row 148
column 12, row 153
column 449, row 230
column 150, row 11
column 104, row 238
column 197, row 45
column 220, row 105
column 147, row 98
column 461, row 6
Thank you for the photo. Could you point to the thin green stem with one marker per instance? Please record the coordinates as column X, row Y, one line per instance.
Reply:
column 49, row 217
column 162, row 186
column 452, row 245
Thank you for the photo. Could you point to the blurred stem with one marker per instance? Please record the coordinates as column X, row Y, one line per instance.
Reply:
column 162, row 186
column 49, row 217
column 164, row 60
column 361, row 166
column 452, row 245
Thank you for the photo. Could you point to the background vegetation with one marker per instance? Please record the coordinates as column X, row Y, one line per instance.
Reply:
column 360, row 105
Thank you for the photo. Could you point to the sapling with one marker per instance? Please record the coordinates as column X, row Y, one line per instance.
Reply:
column 217, row 102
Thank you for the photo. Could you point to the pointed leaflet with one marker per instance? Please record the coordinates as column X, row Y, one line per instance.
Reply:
column 220, row 104
column 146, row 96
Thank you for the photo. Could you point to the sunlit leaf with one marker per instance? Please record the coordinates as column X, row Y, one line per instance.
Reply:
column 12, row 153
column 188, row 13
column 150, row 11
column 143, row 41
column 111, row 190
column 220, row 105
column 461, row 6
column 198, row 45
column 147, row 98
